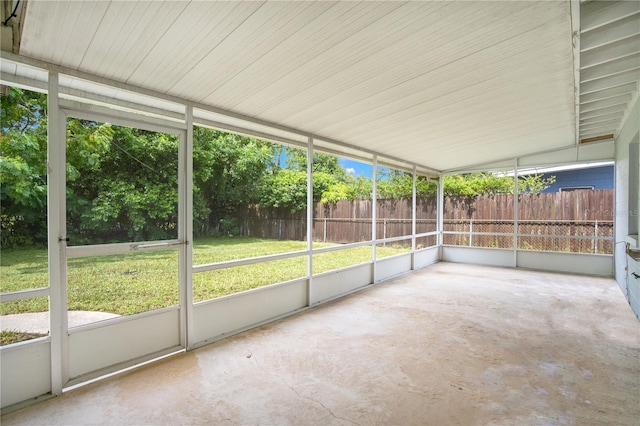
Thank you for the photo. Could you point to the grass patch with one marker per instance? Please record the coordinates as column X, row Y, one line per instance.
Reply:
column 23, row 269
column 139, row 282
column 7, row 337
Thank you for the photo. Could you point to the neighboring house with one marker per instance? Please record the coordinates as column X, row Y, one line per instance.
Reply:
column 597, row 176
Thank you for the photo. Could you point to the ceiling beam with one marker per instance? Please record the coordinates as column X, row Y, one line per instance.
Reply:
column 629, row 63
column 603, row 111
column 605, row 103
column 607, row 93
column 627, row 28
column 592, row 126
column 614, row 12
column 612, row 52
column 596, row 133
column 606, row 117
column 610, row 81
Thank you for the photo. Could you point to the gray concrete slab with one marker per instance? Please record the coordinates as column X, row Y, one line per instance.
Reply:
column 447, row 345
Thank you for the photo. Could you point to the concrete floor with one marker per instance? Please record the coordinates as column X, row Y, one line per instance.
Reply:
column 446, row 345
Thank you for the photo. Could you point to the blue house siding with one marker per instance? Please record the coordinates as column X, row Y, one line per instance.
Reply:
column 596, row 177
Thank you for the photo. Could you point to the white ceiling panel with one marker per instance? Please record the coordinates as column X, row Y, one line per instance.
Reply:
column 441, row 84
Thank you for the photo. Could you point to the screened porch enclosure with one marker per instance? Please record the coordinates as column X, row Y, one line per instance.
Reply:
column 328, row 249
column 362, row 115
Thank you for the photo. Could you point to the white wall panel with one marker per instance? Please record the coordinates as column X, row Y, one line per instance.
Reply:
column 335, row 283
column 95, row 348
column 392, row 266
column 426, row 257
column 479, row 256
column 230, row 314
column 574, row 263
column 26, row 371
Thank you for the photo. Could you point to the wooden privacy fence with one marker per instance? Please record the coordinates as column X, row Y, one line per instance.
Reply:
column 577, row 221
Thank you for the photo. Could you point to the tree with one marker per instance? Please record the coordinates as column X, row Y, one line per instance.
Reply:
column 23, row 173
column 229, row 173
column 473, row 184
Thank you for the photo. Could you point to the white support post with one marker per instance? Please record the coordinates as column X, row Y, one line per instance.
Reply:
column 309, row 220
column 185, row 231
column 440, row 215
column 57, row 237
column 413, row 219
column 515, row 214
column 374, row 215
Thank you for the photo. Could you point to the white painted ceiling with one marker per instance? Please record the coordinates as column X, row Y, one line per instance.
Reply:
column 442, row 84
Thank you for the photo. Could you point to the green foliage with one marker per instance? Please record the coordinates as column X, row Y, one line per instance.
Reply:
column 534, row 184
column 287, row 188
column 23, row 168
column 360, row 188
column 473, row 184
column 121, row 183
column 229, row 171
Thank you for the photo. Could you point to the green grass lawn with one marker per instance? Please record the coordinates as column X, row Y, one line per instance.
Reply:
column 138, row 282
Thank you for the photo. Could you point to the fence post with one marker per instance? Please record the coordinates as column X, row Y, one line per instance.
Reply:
column 471, row 232
column 595, row 240
column 324, row 230
column 384, row 231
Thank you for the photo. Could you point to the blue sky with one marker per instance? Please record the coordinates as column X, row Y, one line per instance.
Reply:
column 356, row 168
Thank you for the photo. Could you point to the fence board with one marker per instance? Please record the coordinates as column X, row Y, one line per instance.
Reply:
column 544, row 215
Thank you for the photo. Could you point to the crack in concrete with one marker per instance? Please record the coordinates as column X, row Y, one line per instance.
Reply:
column 294, row 390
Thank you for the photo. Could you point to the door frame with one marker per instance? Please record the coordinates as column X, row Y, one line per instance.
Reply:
column 63, row 339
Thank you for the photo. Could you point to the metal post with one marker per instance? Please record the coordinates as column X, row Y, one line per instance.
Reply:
column 309, row 221
column 471, row 232
column 515, row 214
column 440, row 215
column 57, row 237
column 595, row 240
column 185, row 230
column 374, row 214
column 413, row 220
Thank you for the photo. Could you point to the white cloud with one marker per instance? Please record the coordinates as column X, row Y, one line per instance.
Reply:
column 351, row 170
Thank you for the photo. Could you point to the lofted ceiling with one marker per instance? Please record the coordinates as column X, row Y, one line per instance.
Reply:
column 442, row 84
